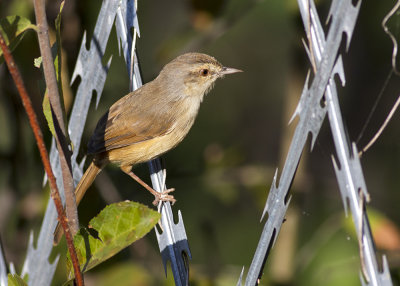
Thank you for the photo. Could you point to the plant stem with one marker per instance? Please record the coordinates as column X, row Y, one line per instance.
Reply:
column 57, row 112
column 43, row 154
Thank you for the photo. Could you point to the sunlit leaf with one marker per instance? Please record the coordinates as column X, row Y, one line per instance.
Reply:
column 15, row 280
column 118, row 226
column 13, row 29
column 37, row 62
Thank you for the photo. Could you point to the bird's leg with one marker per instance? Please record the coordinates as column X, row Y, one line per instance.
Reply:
column 164, row 177
column 159, row 196
column 160, row 202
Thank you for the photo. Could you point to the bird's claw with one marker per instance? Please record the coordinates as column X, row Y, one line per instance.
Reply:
column 164, row 197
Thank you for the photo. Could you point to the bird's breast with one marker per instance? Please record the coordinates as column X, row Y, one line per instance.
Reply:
column 146, row 150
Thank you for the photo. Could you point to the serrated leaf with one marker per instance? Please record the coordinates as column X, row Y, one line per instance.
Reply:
column 15, row 280
column 118, row 226
column 13, row 28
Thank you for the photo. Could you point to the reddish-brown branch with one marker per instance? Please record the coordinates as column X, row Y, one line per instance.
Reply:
column 56, row 107
column 43, row 154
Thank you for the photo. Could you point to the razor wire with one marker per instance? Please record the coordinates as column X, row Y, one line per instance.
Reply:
column 327, row 62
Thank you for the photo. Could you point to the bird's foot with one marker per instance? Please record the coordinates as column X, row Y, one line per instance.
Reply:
column 164, row 197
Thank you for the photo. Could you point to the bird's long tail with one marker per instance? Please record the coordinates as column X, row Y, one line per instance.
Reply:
column 85, row 182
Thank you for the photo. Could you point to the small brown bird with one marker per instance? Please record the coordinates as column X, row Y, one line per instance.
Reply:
column 151, row 120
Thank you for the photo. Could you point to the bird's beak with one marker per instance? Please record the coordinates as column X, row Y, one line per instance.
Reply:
column 226, row 70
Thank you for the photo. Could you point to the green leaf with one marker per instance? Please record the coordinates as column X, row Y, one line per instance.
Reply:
column 13, row 28
column 15, row 280
column 48, row 114
column 118, row 226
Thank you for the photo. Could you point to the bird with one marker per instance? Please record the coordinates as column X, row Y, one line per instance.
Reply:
column 151, row 120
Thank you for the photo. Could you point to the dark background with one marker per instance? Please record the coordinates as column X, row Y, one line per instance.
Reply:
column 223, row 170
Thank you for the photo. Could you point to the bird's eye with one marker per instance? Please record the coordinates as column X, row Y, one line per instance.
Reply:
column 204, row 72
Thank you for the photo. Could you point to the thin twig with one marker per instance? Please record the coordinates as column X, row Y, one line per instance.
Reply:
column 377, row 100
column 392, row 111
column 43, row 154
column 391, row 36
column 59, row 125
column 394, row 69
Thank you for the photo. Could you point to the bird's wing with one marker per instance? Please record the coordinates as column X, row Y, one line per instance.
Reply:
column 130, row 120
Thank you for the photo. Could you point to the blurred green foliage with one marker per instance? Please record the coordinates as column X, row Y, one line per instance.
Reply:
column 223, row 170
column 13, row 28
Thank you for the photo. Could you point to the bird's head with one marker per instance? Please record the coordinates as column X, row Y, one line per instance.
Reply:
column 195, row 73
